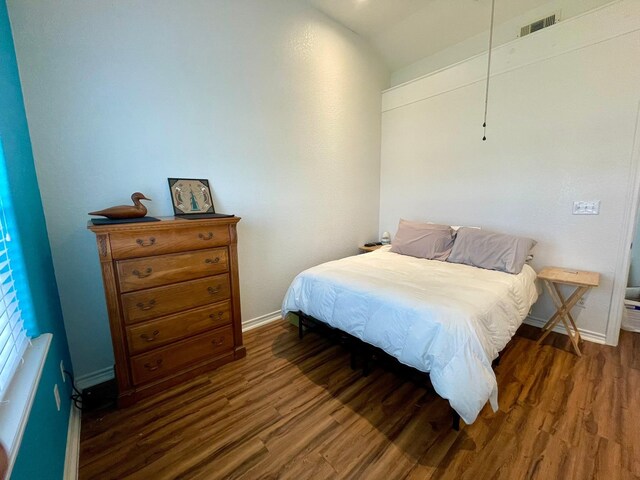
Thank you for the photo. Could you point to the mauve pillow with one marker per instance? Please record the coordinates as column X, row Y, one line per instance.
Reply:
column 423, row 240
column 493, row 251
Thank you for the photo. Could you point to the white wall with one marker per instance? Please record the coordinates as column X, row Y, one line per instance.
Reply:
column 274, row 103
column 504, row 32
column 634, row 268
column 562, row 116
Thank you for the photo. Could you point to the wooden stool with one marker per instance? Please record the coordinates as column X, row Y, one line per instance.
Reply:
column 553, row 277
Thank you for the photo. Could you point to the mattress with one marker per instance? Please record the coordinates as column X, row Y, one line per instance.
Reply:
column 447, row 319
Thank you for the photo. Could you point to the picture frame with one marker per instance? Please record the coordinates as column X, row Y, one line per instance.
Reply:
column 190, row 196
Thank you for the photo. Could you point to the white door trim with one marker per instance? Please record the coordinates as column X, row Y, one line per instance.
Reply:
column 624, row 248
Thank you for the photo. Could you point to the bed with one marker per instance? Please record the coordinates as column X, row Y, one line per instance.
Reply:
column 450, row 320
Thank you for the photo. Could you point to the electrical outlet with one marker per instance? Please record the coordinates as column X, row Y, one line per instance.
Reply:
column 581, row 303
column 56, row 394
column 62, row 371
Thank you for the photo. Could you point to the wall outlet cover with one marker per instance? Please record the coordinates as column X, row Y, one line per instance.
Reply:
column 56, row 394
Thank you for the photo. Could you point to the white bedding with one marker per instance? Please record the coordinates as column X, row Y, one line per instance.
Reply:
column 450, row 320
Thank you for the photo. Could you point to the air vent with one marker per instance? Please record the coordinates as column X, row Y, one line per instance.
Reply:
column 539, row 24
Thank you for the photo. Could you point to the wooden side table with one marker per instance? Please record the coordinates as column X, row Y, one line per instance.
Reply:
column 364, row 249
column 553, row 277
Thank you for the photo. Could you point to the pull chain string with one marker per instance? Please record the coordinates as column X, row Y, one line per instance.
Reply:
column 486, row 92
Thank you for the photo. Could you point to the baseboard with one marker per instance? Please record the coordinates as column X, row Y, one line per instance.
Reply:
column 72, row 456
column 106, row 374
column 588, row 335
column 94, row 378
column 262, row 320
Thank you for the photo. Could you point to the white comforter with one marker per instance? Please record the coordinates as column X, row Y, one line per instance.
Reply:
column 447, row 319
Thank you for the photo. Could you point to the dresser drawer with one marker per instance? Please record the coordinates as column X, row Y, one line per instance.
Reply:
column 159, row 301
column 155, row 333
column 149, row 272
column 158, row 242
column 164, row 360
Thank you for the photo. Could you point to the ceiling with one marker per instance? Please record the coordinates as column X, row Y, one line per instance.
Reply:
column 405, row 31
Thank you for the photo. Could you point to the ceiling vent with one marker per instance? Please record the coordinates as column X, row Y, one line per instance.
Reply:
column 540, row 24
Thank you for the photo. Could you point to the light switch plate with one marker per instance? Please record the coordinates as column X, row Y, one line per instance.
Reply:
column 588, row 207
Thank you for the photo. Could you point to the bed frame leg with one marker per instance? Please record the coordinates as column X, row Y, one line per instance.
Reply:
column 366, row 361
column 300, row 327
column 496, row 362
column 456, row 420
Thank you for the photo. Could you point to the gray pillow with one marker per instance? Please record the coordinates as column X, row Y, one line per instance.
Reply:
column 493, row 251
column 423, row 240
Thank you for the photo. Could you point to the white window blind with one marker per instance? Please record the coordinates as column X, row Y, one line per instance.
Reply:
column 13, row 337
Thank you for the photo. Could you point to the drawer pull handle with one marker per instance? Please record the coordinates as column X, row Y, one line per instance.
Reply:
column 218, row 342
column 215, row 260
column 142, row 243
column 208, row 236
column 218, row 316
column 152, row 366
column 144, row 274
column 213, row 291
column 149, row 306
column 150, row 338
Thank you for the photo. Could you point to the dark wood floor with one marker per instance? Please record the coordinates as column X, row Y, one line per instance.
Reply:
column 294, row 409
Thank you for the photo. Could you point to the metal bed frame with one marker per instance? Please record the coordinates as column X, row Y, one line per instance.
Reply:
column 368, row 352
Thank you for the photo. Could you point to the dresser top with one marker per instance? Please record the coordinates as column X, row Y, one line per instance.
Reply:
column 164, row 223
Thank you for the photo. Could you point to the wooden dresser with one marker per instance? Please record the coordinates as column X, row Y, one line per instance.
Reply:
column 173, row 300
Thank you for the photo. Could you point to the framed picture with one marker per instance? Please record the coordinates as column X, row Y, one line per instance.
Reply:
column 190, row 196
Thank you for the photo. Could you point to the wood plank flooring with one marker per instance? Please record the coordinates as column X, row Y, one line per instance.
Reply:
column 295, row 410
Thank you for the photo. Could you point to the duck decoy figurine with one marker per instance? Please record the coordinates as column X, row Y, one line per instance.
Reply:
column 136, row 210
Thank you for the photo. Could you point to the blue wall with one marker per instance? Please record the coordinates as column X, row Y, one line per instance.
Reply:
column 42, row 450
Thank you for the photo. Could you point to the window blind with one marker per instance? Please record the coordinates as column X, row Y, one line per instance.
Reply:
column 13, row 337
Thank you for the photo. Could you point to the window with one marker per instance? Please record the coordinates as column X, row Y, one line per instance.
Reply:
column 22, row 359
column 13, row 337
